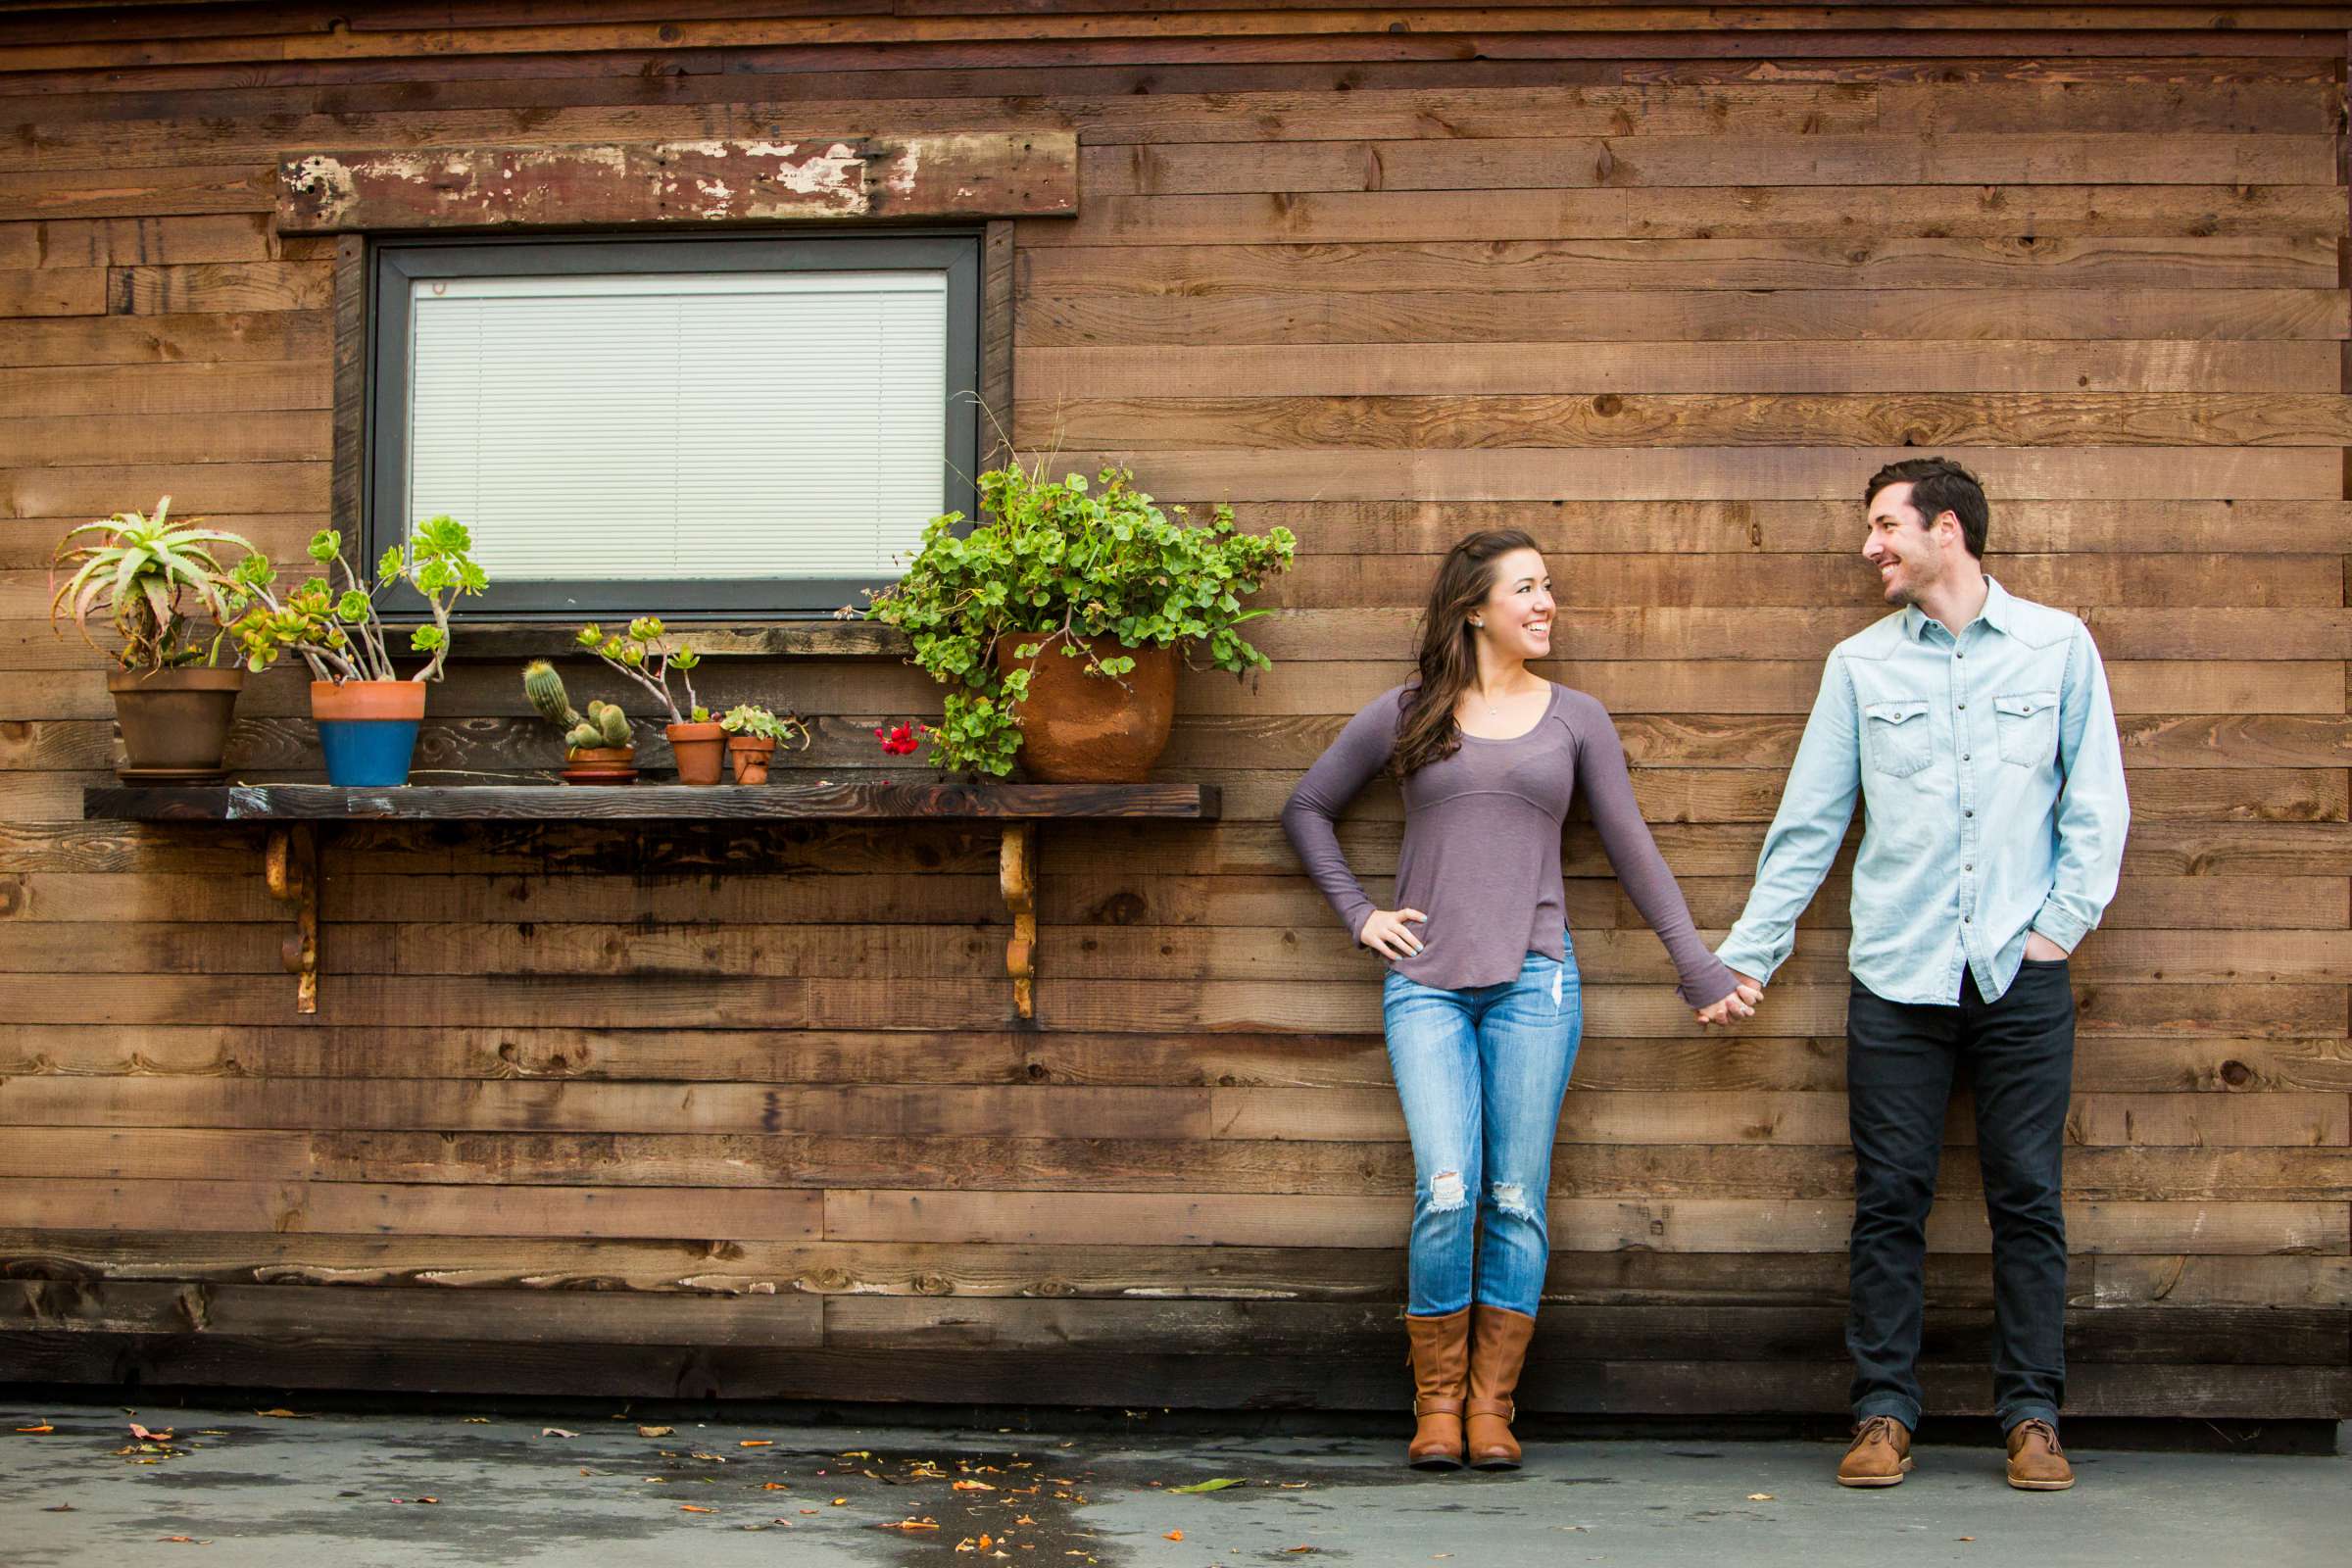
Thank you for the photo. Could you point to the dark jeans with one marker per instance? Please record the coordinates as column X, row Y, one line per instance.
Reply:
column 1900, row 1062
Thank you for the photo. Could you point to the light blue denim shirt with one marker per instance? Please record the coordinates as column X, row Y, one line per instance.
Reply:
column 1993, row 798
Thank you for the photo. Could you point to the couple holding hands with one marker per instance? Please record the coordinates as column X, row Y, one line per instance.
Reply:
column 1977, row 729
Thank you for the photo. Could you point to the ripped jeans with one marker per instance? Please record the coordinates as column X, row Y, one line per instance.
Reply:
column 1481, row 1073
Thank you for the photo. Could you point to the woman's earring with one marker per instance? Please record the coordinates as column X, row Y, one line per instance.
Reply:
column 1478, row 625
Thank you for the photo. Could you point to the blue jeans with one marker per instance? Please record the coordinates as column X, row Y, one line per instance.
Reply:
column 1481, row 1073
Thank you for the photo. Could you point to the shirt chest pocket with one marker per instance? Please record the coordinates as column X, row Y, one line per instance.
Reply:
column 1895, row 735
column 2028, row 727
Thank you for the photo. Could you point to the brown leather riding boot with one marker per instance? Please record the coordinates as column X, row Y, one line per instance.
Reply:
column 1440, row 1358
column 2036, row 1462
column 1879, row 1454
column 1497, row 1348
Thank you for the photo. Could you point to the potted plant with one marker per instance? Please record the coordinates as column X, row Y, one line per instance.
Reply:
column 368, row 715
column 697, row 742
column 171, row 698
column 1056, row 620
column 753, row 734
column 598, row 747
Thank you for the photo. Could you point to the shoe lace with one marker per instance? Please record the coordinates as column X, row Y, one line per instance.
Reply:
column 2044, row 1430
column 1878, row 1426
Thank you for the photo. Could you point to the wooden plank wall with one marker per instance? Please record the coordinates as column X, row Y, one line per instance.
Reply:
column 723, row 1113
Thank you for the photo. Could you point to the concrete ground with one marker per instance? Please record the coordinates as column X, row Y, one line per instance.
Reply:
column 278, row 1488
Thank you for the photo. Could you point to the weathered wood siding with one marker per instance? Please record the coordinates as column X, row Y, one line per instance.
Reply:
column 748, row 1112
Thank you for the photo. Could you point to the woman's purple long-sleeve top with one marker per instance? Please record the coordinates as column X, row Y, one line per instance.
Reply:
column 1482, row 844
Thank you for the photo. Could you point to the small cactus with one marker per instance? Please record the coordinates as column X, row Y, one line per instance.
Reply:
column 604, row 726
column 545, row 688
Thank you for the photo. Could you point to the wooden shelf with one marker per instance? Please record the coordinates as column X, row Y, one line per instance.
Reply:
column 646, row 803
column 296, row 815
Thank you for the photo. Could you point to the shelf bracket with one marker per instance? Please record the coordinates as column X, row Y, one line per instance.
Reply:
column 1016, row 872
column 290, row 867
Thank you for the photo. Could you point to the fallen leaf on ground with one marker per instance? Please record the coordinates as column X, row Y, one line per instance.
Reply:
column 1025, row 1520
column 1173, row 1535
column 186, row 1540
column 756, row 1442
column 695, row 1508
column 281, row 1412
column 655, row 1432
column 557, row 1432
column 973, row 1486
column 1759, row 1497
column 910, row 1524
column 477, row 1420
column 62, row 1508
column 858, row 1454
column 141, row 1432
column 44, row 1427
column 775, row 1486
column 1219, row 1485
column 1968, row 1537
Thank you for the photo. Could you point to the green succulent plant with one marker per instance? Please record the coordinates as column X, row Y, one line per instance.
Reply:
column 339, row 632
column 749, row 719
column 635, row 654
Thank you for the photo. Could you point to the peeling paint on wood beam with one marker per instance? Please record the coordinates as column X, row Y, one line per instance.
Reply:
column 981, row 175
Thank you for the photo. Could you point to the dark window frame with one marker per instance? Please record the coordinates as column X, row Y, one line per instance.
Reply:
column 394, row 264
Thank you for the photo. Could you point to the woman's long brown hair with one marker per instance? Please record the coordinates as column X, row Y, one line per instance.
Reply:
column 1448, row 655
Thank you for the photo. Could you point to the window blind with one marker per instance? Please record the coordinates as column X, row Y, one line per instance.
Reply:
column 690, row 425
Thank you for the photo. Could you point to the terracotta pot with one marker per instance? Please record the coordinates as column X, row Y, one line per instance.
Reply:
column 367, row 729
column 750, row 754
column 699, row 748
column 1078, row 728
column 175, row 723
column 600, row 764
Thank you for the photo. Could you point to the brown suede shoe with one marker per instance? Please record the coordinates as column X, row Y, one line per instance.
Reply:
column 1879, row 1455
column 1440, row 1354
column 2036, row 1462
column 1497, row 1350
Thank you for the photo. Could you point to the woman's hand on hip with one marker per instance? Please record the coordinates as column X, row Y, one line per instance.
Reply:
column 1387, row 932
column 1740, row 1004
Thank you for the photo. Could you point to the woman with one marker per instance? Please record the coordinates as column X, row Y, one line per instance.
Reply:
column 1480, row 1002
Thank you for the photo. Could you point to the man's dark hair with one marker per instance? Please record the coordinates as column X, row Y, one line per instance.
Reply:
column 1938, row 485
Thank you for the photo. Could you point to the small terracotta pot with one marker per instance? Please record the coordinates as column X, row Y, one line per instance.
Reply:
column 367, row 729
column 1078, row 728
column 750, row 756
column 174, row 722
column 699, row 748
column 600, row 764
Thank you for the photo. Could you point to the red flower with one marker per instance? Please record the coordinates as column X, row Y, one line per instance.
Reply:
column 901, row 740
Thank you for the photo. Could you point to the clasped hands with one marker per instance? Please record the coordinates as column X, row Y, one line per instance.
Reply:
column 1746, row 993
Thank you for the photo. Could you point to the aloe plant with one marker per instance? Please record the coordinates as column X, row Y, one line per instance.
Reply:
column 141, row 568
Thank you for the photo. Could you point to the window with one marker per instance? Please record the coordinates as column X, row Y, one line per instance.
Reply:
column 718, row 425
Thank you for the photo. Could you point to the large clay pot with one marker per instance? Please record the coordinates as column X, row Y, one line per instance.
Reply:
column 1078, row 728
column 367, row 729
column 175, row 723
column 700, row 750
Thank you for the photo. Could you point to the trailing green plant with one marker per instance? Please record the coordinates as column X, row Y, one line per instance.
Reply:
column 340, row 632
column 604, row 725
column 142, row 568
column 749, row 719
column 634, row 656
column 1053, row 561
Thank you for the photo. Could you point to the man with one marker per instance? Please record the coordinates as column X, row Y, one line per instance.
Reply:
column 1978, row 729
